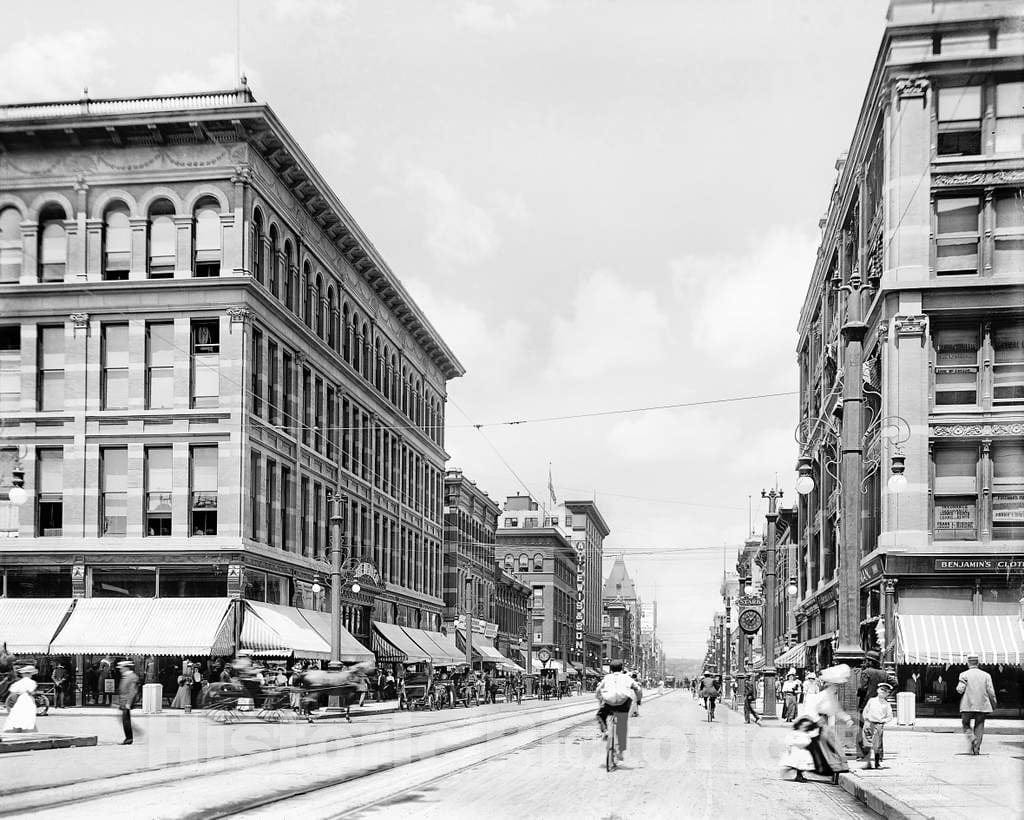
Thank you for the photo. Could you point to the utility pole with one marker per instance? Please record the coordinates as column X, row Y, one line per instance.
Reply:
column 337, row 536
column 771, row 590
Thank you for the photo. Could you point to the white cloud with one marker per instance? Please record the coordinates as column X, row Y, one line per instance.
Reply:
column 484, row 17
column 459, row 231
column 614, row 325
column 219, row 74
column 56, row 66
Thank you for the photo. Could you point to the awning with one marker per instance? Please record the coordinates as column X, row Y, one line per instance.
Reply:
column 949, row 638
column 593, row 672
column 795, row 656
column 509, row 665
column 554, row 663
column 442, row 649
column 391, row 643
column 351, row 650
column 29, row 624
column 278, row 631
column 146, row 626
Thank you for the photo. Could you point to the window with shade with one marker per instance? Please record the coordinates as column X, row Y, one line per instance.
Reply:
column 205, row 356
column 203, row 480
column 53, row 245
column 955, row 363
column 1009, row 117
column 10, row 368
column 114, row 490
column 274, row 268
column 956, row 493
column 1008, row 363
column 956, row 235
column 524, row 563
column 159, row 365
column 114, row 353
column 117, row 242
column 257, row 246
column 11, row 245
column 959, row 116
column 9, row 517
column 256, row 368
column 159, row 491
column 538, row 563
column 50, row 376
column 163, row 240
column 1008, row 233
column 1007, row 491
column 208, row 238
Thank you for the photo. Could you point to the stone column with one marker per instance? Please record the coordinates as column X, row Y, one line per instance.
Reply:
column 94, row 249
column 29, row 253
column 183, row 249
column 985, row 493
column 140, row 262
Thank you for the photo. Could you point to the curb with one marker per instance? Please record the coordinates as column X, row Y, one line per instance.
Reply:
column 878, row 800
column 51, row 742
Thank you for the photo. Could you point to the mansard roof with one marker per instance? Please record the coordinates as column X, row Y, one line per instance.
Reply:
column 619, row 584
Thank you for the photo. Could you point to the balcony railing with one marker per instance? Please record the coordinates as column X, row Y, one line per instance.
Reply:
column 86, row 107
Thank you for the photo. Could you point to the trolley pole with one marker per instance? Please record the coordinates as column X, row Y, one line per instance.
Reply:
column 469, row 625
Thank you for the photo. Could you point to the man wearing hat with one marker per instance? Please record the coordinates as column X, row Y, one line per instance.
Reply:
column 977, row 702
column 126, row 693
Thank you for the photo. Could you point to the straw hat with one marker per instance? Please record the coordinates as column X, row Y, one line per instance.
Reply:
column 125, row 664
column 28, row 670
column 836, row 674
column 791, row 671
column 811, row 675
column 886, row 686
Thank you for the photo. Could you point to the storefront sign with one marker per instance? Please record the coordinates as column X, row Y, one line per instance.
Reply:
column 954, row 516
column 1008, row 508
column 998, row 564
column 581, row 594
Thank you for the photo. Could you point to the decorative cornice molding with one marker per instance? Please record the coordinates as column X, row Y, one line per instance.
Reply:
column 1001, row 177
column 908, row 88
column 987, row 430
column 910, row 325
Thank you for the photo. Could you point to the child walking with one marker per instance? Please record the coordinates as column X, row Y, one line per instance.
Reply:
column 877, row 712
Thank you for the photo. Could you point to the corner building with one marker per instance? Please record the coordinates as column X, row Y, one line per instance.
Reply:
column 198, row 346
column 928, row 210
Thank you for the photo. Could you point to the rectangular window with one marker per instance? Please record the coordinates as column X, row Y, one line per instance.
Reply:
column 51, row 368
column 318, row 530
column 511, row 522
column 956, row 235
column 530, row 523
column 254, row 496
column 307, row 405
column 285, row 508
column 287, row 392
column 332, row 425
column 9, row 516
column 53, row 251
column 50, row 484
column 10, row 368
column 1008, row 491
column 956, row 366
column 205, row 362
column 956, row 493
column 158, row 491
column 114, row 354
column 273, row 388
column 959, row 114
column 318, row 416
column 256, row 366
column 304, row 515
column 159, row 365
column 203, row 480
column 1009, row 117
column 271, row 499
column 1008, row 235
column 1008, row 363
column 538, row 598
column 114, row 489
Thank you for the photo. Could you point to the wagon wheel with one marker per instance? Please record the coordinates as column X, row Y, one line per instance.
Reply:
column 224, row 712
column 270, row 715
column 42, row 704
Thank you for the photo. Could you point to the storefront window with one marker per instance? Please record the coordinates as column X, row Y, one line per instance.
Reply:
column 38, row 582
column 255, row 587
column 956, row 494
column 277, row 589
column 1008, row 363
column 193, row 581
column 123, row 582
column 956, row 366
column 1008, row 491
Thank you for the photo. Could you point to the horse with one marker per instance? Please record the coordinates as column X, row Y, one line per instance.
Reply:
column 345, row 684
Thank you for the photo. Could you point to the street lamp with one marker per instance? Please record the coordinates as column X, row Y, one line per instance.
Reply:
column 17, row 494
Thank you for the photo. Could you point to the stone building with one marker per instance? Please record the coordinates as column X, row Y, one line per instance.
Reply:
column 621, row 606
column 923, row 234
column 471, row 520
column 589, row 529
column 198, row 346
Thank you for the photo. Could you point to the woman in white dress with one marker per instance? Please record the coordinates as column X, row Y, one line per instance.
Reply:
column 22, row 717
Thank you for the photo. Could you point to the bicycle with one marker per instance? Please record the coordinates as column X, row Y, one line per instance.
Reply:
column 612, row 743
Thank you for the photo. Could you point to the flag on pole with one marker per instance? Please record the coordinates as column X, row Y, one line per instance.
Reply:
column 551, row 486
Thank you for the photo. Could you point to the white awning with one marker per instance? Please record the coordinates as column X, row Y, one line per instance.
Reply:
column 442, row 649
column 942, row 639
column 145, row 626
column 275, row 630
column 795, row 656
column 554, row 663
column 29, row 624
column 351, row 650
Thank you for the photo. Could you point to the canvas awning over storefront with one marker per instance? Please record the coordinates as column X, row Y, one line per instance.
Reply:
column 554, row 663
column 146, row 626
column 28, row 625
column 392, row 644
column 442, row 649
column 593, row 673
column 946, row 639
column 795, row 656
column 272, row 630
column 351, row 650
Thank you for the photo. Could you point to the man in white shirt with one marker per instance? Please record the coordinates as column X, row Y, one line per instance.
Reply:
column 616, row 693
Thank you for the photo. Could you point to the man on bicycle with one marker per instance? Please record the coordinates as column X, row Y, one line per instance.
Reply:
column 615, row 692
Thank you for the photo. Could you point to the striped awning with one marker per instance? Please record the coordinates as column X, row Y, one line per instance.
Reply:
column 351, row 650
column 950, row 638
column 279, row 631
column 442, row 649
column 795, row 656
column 146, row 626
column 27, row 625
column 393, row 644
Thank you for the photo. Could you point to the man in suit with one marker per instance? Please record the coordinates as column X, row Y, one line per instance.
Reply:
column 128, row 690
column 977, row 702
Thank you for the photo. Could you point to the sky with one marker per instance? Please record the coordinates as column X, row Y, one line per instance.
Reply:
column 599, row 204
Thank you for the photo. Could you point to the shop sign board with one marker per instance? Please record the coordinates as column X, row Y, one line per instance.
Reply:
column 581, row 594
column 1008, row 507
column 955, row 516
column 1000, row 563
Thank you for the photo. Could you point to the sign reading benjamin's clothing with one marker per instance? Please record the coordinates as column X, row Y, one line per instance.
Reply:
column 1006, row 563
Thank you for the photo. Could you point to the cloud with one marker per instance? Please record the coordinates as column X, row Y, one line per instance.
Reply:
column 56, row 66
column 219, row 74
column 614, row 326
column 459, row 231
column 486, row 18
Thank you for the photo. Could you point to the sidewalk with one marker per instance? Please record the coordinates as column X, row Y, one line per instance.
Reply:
column 137, row 713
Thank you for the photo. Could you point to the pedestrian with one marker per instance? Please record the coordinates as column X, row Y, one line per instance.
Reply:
column 183, row 696
column 105, row 682
column 750, row 699
column 977, row 702
column 709, row 692
column 91, row 684
column 877, row 712
column 798, row 756
column 810, row 686
column 790, row 695
column 197, row 685
column 126, row 694
column 22, row 715
column 825, row 710
column 59, row 676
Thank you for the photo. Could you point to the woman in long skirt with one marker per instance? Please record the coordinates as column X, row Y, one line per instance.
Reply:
column 183, row 697
column 22, row 717
column 824, row 708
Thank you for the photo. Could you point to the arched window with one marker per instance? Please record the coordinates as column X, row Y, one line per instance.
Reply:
column 290, row 273
column 405, row 392
column 308, row 304
column 357, row 343
column 509, row 561
column 332, row 318
column 346, row 334
column 257, row 245
column 11, row 247
column 275, row 262
column 318, row 305
column 378, row 365
column 53, row 244
column 163, row 240
column 117, row 242
column 524, row 563
column 394, row 380
column 538, row 563
column 367, row 351
column 208, row 238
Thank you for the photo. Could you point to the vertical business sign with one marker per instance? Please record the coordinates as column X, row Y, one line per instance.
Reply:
column 581, row 595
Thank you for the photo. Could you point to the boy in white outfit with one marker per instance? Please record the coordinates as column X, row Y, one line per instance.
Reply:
column 877, row 712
